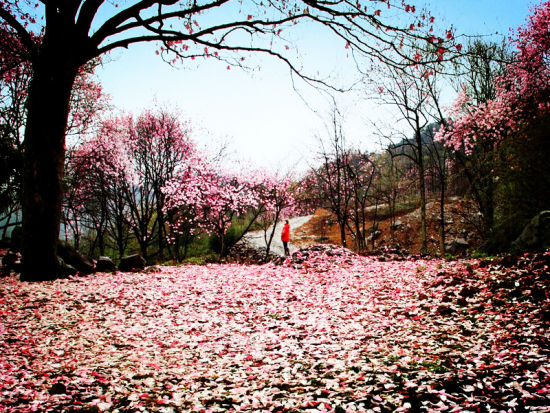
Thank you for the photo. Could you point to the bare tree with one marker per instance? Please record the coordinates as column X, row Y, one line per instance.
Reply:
column 333, row 176
column 406, row 90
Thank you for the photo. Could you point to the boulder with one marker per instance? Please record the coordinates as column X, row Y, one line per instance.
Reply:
column 374, row 235
column 152, row 269
column 456, row 246
column 70, row 256
column 536, row 235
column 58, row 388
column 245, row 253
column 396, row 225
column 11, row 262
column 66, row 269
column 105, row 264
column 132, row 263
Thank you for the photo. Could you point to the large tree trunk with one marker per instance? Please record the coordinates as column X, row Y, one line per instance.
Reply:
column 44, row 147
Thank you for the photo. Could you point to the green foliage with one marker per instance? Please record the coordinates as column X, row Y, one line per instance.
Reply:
column 401, row 208
column 482, row 255
column 231, row 236
column 522, row 184
column 199, row 246
column 202, row 259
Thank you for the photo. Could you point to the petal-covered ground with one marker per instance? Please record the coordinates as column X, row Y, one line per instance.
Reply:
column 338, row 334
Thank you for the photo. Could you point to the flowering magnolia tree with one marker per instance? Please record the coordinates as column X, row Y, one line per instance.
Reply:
column 204, row 197
column 118, row 176
column 276, row 202
column 98, row 171
column 522, row 93
column 158, row 145
column 58, row 38
column 502, row 140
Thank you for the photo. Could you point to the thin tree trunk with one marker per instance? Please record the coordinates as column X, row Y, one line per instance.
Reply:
column 343, row 232
column 442, row 227
column 268, row 241
column 422, row 188
column 374, row 225
column 44, row 156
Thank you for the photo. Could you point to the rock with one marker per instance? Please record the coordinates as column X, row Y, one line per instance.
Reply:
column 132, row 263
column 152, row 269
column 82, row 263
column 457, row 246
column 105, row 264
column 58, row 388
column 320, row 257
column 394, row 253
column 374, row 235
column 396, row 225
column 536, row 235
column 66, row 269
column 244, row 253
column 11, row 262
column 16, row 242
column 508, row 261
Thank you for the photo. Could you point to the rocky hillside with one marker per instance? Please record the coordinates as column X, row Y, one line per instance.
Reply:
column 462, row 221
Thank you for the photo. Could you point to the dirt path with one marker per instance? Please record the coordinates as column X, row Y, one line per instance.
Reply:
column 256, row 239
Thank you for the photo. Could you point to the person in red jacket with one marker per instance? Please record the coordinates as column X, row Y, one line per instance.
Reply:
column 285, row 237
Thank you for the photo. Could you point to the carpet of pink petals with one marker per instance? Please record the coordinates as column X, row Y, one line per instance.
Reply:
column 342, row 334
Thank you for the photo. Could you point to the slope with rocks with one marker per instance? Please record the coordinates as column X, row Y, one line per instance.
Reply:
column 462, row 222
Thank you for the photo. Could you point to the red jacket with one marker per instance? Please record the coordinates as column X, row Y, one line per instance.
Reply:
column 285, row 235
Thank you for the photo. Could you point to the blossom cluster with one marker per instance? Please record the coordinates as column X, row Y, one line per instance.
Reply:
column 523, row 94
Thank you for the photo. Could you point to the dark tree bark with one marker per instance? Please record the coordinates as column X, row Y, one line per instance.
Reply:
column 44, row 157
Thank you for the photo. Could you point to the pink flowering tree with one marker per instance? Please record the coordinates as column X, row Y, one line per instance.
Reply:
column 483, row 64
column 522, row 93
column 158, row 144
column 98, row 172
column 202, row 197
column 58, row 38
column 508, row 130
column 121, row 172
column 183, row 217
column 276, row 201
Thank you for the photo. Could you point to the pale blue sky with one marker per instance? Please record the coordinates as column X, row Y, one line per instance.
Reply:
column 265, row 121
